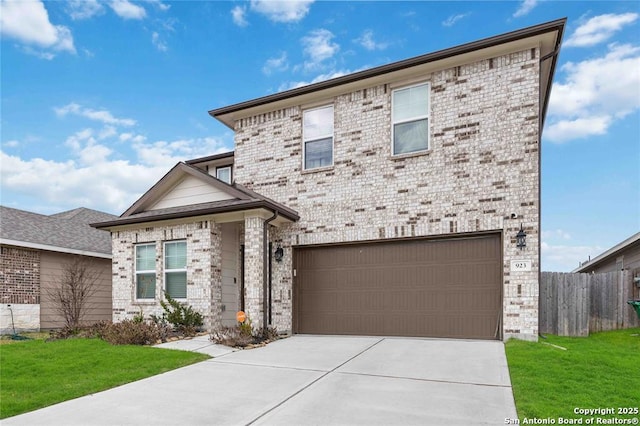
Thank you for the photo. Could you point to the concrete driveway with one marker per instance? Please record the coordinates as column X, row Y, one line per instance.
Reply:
column 310, row 380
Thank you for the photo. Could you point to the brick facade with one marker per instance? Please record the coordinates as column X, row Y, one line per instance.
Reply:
column 20, row 275
column 203, row 269
column 482, row 165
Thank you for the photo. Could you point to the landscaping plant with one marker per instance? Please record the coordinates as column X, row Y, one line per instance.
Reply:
column 181, row 316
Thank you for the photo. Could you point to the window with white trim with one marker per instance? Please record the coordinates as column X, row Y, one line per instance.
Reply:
column 317, row 135
column 224, row 174
column 175, row 269
column 146, row 271
column 410, row 117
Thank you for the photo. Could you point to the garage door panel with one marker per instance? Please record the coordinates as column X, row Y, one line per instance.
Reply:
column 443, row 288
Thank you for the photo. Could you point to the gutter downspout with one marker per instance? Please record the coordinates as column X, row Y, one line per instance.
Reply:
column 265, row 278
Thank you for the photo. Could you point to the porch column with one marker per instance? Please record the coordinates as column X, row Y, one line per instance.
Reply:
column 253, row 268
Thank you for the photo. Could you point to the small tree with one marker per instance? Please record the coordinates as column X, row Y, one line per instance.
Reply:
column 74, row 288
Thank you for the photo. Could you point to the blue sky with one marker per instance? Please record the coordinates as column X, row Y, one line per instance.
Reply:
column 101, row 98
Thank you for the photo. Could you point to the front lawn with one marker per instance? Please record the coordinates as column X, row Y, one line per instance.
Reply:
column 35, row 374
column 599, row 371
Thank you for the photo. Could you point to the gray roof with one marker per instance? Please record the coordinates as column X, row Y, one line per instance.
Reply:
column 613, row 251
column 67, row 231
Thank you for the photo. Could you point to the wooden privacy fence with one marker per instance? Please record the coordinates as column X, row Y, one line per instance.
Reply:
column 577, row 304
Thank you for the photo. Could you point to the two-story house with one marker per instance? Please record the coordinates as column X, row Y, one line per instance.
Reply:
column 400, row 200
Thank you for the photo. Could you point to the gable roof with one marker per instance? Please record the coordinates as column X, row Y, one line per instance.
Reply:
column 241, row 199
column 66, row 232
column 612, row 252
column 547, row 35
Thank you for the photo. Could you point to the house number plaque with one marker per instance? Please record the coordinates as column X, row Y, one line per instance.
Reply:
column 520, row 265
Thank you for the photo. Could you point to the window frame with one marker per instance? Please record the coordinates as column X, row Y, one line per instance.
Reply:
column 230, row 173
column 145, row 271
column 305, row 140
column 412, row 119
column 166, row 270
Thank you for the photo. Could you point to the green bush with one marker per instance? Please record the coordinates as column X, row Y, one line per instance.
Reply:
column 182, row 317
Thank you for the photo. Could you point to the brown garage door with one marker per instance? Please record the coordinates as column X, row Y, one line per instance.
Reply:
column 431, row 288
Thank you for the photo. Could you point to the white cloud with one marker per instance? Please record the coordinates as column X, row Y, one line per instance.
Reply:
column 451, row 20
column 238, row 15
column 319, row 78
column 282, row 11
column 28, row 22
column 555, row 234
column 92, row 178
column 158, row 43
column 594, row 94
column 162, row 6
column 525, row 7
column 565, row 258
column 318, row 47
column 84, row 9
column 599, row 28
column 279, row 63
column 366, row 40
column 107, row 132
column 127, row 10
column 11, row 144
column 103, row 116
column 579, row 128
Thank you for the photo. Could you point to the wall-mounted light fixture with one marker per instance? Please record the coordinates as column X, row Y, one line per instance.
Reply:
column 521, row 238
column 279, row 254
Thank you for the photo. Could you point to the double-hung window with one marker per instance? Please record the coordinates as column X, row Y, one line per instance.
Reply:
column 175, row 269
column 145, row 271
column 410, row 115
column 317, row 134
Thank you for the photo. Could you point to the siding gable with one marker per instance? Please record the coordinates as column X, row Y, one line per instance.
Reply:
column 190, row 190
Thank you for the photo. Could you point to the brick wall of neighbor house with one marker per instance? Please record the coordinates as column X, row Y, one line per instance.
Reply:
column 204, row 285
column 20, row 278
column 483, row 165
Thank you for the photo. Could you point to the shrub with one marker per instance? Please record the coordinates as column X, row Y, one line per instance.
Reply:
column 241, row 336
column 129, row 332
column 182, row 317
column 231, row 336
column 88, row 331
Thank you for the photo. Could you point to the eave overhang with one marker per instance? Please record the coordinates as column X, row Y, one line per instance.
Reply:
column 547, row 37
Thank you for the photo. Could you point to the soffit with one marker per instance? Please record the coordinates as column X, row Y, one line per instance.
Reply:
column 545, row 36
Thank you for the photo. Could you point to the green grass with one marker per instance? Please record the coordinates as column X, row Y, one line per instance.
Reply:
column 599, row 371
column 35, row 374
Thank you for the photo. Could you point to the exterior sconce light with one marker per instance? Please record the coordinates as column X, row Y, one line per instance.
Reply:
column 279, row 254
column 521, row 239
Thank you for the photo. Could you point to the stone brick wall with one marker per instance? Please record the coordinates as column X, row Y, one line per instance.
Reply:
column 482, row 165
column 20, row 275
column 203, row 269
column 19, row 316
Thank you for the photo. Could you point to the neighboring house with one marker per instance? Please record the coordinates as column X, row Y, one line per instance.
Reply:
column 384, row 202
column 623, row 256
column 34, row 250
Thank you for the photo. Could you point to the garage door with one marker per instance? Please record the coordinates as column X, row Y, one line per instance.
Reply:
column 430, row 288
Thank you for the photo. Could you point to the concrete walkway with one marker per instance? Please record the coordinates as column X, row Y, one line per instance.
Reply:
column 310, row 380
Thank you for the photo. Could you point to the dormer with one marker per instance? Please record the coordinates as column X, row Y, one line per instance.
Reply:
column 218, row 165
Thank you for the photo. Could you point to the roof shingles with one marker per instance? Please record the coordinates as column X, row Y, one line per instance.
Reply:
column 68, row 230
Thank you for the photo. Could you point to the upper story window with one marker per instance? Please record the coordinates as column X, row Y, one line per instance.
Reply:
column 146, row 271
column 410, row 116
column 224, row 174
column 175, row 269
column 317, row 136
